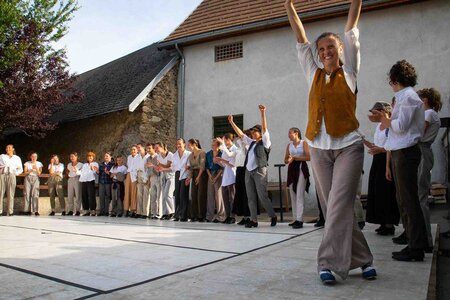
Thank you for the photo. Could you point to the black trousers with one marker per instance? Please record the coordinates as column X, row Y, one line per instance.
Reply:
column 405, row 164
column 88, row 195
column 177, row 195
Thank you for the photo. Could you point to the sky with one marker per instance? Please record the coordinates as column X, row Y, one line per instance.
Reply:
column 103, row 30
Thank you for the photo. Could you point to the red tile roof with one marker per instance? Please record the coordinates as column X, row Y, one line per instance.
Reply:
column 222, row 17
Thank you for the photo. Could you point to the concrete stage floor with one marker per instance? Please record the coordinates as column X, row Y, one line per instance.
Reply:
column 123, row 258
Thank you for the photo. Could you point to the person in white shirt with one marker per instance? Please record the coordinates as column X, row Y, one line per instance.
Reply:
column 256, row 163
column 180, row 168
column 88, row 175
column 336, row 148
column 10, row 167
column 154, row 182
column 296, row 156
column 32, row 169
column 382, row 205
column 164, row 165
column 228, row 162
column 73, row 204
column 432, row 104
column 130, row 196
column 118, row 173
column 406, row 127
column 55, row 184
column 142, row 195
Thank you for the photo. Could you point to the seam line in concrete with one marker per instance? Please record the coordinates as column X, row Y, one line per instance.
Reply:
column 120, row 239
column 198, row 266
column 51, row 278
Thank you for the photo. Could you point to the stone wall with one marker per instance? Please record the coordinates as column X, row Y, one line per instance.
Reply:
column 159, row 112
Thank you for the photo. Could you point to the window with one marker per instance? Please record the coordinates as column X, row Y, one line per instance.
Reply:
column 229, row 51
column 221, row 125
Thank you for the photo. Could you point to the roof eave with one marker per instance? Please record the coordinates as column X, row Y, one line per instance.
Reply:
column 276, row 22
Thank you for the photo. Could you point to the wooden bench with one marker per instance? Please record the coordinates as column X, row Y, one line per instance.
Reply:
column 275, row 187
column 41, row 187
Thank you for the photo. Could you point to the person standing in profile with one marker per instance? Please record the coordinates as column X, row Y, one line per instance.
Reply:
column 256, row 163
column 32, row 170
column 336, row 147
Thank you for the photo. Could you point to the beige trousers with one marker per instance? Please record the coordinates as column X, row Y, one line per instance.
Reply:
column 129, row 199
column 337, row 173
column 8, row 186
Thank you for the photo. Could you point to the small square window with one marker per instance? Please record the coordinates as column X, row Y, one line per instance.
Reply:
column 221, row 125
column 229, row 51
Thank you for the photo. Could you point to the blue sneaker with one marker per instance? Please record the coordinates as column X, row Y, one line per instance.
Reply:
column 369, row 272
column 327, row 277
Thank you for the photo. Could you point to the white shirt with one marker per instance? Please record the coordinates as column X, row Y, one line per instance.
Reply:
column 11, row 164
column 407, row 121
column 77, row 171
column 118, row 169
column 134, row 163
column 351, row 68
column 180, row 163
column 434, row 123
column 241, row 152
column 251, row 162
column 165, row 160
column 29, row 166
column 59, row 168
column 87, row 174
column 229, row 173
column 296, row 150
column 380, row 136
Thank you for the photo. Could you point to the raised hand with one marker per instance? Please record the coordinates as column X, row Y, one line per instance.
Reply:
column 230, row 119
column 262, row 108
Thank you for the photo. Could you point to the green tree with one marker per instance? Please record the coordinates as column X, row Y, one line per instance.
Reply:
column 34, row 77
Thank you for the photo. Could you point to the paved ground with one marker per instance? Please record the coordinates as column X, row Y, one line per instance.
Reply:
column 112, row 258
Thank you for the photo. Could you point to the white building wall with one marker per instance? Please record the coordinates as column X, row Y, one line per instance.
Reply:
column 269, row 73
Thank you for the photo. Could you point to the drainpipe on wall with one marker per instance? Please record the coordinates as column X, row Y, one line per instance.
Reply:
column 181, row 77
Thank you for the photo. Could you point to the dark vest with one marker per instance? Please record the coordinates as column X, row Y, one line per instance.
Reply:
column 261, row 154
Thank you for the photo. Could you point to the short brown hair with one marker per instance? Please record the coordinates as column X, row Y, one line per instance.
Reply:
column 433, row 97
column 90, row 153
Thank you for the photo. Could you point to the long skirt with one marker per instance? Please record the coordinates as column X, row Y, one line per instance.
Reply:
column 382, row 205
column 240, row 204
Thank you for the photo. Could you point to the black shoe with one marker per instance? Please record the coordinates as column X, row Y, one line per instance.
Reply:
column 273, row 221
column 119, row 215
column 406, row 249
column 225, row 221
column 386, row 231
column 52, row 213
column 231, row 220
column 243, row 221
column 409, row 255
column 207, row 221
column 292, row 223
column 298, row 225
column 183, row 220
column 63, row 213
column 77, row 213
column 194, row 219
column 177, row 219
column 112, row 215
column 201, row 220
column 251, row 224
column 361, row 225
column 215, row 221
column 401, row 239
column 70, row 213
column 319, row 223
column 164, row 217
column 36, row 214
column 93, row 215
column 133, row 215
column 380, row 228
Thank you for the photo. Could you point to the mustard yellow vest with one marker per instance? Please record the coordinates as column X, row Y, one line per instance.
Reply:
column 334, row 102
